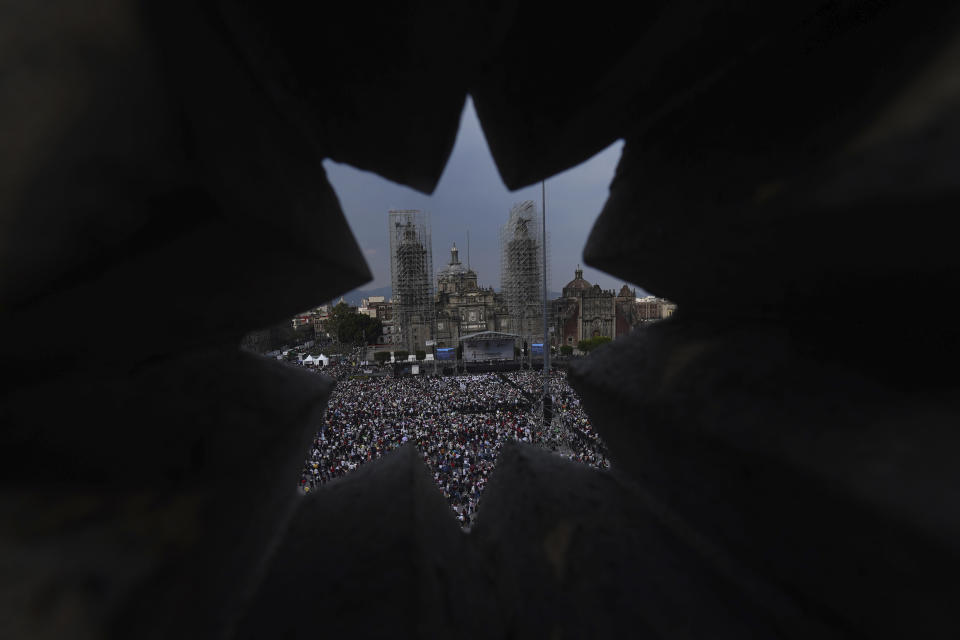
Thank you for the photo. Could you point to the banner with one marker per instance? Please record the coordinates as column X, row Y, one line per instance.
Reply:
column 536, row 349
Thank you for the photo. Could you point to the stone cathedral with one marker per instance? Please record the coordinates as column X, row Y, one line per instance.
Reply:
column 586, row 311
column 463, row 307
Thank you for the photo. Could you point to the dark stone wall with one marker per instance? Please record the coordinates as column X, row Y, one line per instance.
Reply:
column 783, row 466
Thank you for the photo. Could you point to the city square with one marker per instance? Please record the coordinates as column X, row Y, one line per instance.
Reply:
column 458, row 423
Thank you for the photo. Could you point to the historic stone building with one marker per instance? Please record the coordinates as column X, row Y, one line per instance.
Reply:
column 411, row 276
column 654, row 308
column 521, row 270
column 463, row 307
column 586, row 311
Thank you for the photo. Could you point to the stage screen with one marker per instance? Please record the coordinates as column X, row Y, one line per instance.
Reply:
column 479, row 350
column 447, row 354
column 536, row 348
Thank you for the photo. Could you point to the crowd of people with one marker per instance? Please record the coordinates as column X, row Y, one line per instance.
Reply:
column 458, row 423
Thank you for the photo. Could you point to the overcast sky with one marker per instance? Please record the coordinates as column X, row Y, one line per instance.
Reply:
column 471, row 196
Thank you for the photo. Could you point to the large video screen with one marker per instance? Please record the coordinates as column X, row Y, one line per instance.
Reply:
column 447, row 353
column 479, row 350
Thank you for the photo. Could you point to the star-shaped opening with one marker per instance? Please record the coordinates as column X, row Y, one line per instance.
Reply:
column 460, row 422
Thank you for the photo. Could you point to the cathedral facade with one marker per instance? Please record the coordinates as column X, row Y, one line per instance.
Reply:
column 463, row 307
column 585, row 311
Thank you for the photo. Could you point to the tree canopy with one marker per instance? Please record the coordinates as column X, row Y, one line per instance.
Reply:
column 348, row 326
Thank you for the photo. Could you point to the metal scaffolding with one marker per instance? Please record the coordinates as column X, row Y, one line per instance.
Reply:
column 411, row 275
column 522, row 271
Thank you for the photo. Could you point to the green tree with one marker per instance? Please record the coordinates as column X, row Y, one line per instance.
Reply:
column 381, row 356
column 369, row 329
column 400, row 355
column 348, row 326
column 338, row 320
column 566, row 350
column 421, row 354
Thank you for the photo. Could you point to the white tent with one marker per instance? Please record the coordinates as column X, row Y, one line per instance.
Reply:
column 319, row 360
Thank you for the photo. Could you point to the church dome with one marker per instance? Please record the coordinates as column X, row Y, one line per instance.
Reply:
column 578, row 282
column 455, row 267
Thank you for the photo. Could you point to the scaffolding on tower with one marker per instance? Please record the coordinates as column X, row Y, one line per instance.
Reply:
column 411, row 276
column 522, row 256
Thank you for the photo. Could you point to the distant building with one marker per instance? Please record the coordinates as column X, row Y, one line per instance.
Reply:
column 521, row 270
column 318, row 318
column 420, row 315
column 585, row 311
column 654, row 308
column 463, row 307
column 365, row 309
column 375, row 307
column 411, row 276
column 391, row 330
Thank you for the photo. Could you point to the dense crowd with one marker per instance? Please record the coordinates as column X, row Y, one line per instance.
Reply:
column 571, row 429
column 458, row 423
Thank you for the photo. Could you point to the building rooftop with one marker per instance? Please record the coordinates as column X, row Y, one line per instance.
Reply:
column 578, row 282
column 454, row 267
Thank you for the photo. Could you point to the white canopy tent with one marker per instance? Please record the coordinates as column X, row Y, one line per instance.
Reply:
column 315, row 361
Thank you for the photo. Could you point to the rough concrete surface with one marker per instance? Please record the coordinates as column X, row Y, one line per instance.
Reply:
column 783, row 445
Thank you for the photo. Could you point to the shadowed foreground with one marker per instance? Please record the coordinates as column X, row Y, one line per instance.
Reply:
column 783, row 444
